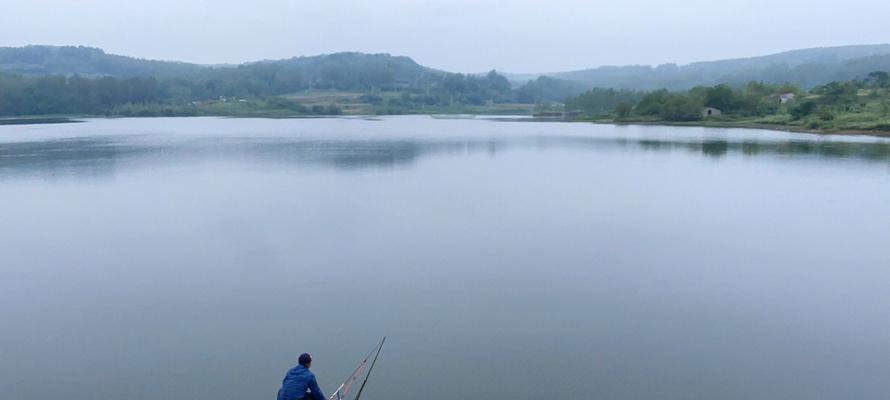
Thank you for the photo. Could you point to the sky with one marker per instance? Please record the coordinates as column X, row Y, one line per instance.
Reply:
column 454, row 35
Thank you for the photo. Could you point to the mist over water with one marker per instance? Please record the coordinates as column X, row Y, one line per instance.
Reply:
column 197, row 257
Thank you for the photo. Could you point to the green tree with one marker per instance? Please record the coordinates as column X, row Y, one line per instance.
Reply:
column 837, row 93
column 601, row 101
column 653, row 102
column 803, row 109
column 681, row 108
column 721, row 97
column 879, row 79
column 623, row 110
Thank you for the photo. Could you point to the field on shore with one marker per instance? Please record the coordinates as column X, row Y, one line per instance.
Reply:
column 358, row 103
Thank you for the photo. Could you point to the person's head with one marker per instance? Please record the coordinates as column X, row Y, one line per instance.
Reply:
column 305, row 360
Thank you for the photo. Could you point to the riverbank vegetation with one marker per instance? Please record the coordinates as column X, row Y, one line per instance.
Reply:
column 856, row 105
column 22, row 95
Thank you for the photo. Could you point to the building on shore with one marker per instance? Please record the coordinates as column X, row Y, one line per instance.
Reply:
column 709, row 112
column 786, row 97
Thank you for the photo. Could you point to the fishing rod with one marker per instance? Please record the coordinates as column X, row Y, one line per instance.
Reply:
column 362, row 387
column 343, row 390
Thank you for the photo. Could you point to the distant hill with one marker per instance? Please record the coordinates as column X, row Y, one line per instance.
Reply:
column 347, row 71
column 87, row 61
column 362, row 72
column 46, row 80
column 807, row 67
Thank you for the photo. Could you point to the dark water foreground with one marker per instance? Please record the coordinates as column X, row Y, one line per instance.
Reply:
column 196, row 258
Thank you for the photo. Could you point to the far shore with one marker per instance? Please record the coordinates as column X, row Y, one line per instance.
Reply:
column 37, row 120
column 28, row 120
column 743, row 125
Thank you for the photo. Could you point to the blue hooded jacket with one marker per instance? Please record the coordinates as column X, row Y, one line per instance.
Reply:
column 296, row 383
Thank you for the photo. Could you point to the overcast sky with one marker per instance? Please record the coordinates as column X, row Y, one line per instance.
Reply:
column 455, row 35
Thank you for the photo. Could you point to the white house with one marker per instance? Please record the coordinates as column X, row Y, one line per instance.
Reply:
column 708, row 112
column 786, row 97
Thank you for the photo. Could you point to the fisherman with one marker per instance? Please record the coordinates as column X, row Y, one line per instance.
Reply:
column 299, row 383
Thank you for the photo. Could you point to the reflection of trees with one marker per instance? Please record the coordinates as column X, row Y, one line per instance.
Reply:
column 865, row 151
column 715, row 148
column 59, row 158
column 103, row 156
column 824, row 149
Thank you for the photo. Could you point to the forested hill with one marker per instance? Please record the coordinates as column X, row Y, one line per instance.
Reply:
column 807, row 68
column 360, row 72
column 42, row 80
column 88, row 62
column 345, row 71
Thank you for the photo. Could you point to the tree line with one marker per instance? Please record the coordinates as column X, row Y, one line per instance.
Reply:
column 869, row 98
column 59, row 94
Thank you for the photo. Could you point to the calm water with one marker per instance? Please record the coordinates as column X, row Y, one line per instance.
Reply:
column 196, row 258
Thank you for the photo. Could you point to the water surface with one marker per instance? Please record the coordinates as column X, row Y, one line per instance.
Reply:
column 195, row 258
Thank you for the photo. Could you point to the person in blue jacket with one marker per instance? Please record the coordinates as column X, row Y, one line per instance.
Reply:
column 299, row 383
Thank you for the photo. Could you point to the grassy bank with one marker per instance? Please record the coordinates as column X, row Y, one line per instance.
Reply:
column 852, row 125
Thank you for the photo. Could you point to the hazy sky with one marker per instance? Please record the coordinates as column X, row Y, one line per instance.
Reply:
column 456, row 35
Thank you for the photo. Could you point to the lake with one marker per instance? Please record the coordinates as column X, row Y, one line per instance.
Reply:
column 196, row 258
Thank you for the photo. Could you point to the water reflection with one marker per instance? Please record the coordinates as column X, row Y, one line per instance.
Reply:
column 81, row 157
column 98, row 156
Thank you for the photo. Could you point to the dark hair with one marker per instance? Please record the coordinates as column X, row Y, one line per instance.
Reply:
column 305, row 359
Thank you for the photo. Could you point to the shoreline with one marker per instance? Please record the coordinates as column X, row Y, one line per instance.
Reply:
column 38, row 120
column 747, row 125
column 701, row 124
